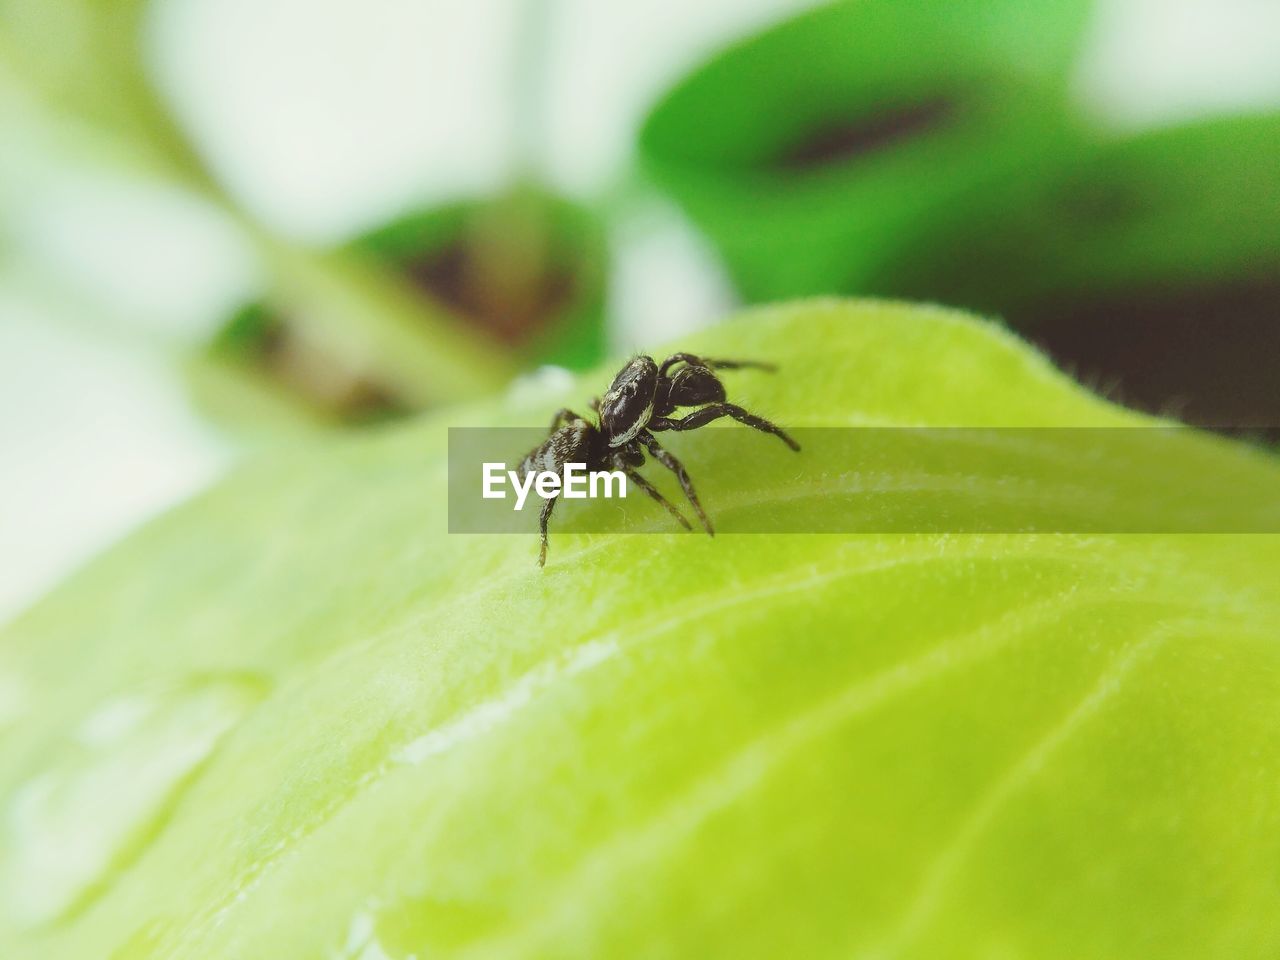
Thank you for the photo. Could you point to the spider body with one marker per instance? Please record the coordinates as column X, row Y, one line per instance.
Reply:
column 640, row 402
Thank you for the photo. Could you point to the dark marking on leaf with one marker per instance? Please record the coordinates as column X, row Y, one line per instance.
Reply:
column 841, row 140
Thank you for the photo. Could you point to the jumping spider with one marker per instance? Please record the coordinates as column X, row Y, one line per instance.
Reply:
column 639, row 403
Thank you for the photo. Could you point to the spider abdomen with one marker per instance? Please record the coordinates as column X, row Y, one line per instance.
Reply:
column 693, row 386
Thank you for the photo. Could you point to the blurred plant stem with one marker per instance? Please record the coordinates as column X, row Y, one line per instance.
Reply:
column 378, row 324
column 79, row 62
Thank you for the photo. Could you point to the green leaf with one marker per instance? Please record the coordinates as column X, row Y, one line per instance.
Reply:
column 1194, row 204
column 524, row 270
column 296, row 718
column 1151, row 262
column 527, row 266
column 815, row 150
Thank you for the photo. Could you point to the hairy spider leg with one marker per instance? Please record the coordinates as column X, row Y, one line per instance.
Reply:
column 676, row 467
column 714, row 411
column 654, row 492
column 563, row 415
column 696, row 361
column 547, row 506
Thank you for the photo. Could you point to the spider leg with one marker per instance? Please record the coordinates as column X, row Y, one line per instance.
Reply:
column 714, row 411
column 547, row 506
column 676, row 467
column 654, row 492
column 563, row 415
column 707, row 362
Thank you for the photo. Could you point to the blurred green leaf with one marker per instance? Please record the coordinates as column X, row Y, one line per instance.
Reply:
column 296, row 718
column 527, row 267
column 344, row 338
column 1150, row 263
column 816, row 151
column 524, row 270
